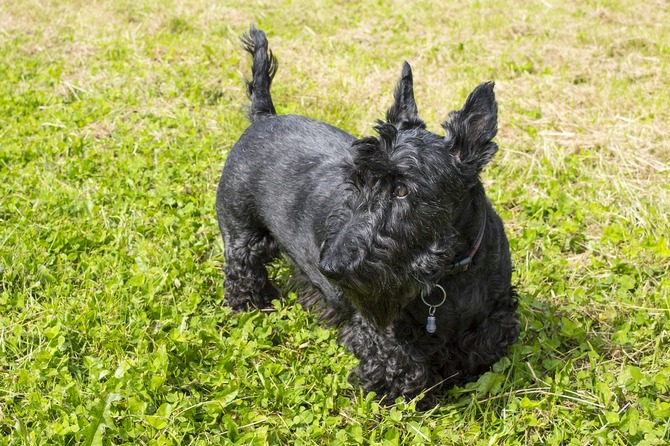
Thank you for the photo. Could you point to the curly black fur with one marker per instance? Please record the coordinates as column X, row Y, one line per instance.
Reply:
column 373, row 224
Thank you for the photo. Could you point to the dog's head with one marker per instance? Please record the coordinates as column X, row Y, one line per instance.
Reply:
column 405, row 191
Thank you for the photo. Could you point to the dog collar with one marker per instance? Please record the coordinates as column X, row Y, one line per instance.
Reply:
column 464, row 264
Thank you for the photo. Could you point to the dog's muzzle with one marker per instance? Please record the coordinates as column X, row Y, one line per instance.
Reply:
column 340, row 258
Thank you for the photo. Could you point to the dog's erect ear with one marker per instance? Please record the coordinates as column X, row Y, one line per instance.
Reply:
column 403, row 114
column 471, row 129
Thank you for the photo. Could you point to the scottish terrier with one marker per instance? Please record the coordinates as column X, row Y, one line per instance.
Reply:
column 393, row 232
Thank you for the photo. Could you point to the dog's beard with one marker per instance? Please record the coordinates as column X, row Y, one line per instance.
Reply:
column 380, row 302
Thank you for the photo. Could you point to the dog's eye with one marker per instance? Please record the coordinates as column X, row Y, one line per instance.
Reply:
column 400, row 190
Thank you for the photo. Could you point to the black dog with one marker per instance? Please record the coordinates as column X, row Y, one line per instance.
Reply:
column 394, row 232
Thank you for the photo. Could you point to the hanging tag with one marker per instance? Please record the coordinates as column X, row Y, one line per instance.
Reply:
column 431, row 326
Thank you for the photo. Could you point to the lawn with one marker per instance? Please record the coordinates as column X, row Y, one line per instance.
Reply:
column 116, row 118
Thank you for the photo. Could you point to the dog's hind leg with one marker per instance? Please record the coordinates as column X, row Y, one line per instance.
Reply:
column 247, row 285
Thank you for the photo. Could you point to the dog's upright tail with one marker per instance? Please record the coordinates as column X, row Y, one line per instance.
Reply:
column 263, row 69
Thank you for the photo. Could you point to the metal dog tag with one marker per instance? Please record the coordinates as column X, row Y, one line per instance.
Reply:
column 430, row 324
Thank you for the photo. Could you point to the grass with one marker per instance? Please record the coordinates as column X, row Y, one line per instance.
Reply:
column 116, row 118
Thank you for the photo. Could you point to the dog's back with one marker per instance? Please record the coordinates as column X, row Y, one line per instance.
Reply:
column 284, row 152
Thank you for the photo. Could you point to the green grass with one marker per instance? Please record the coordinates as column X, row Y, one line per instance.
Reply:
column 116, row 118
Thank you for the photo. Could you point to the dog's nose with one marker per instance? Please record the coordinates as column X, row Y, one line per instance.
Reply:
column 337, row 262
column 342, row 254
column 332, row 270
